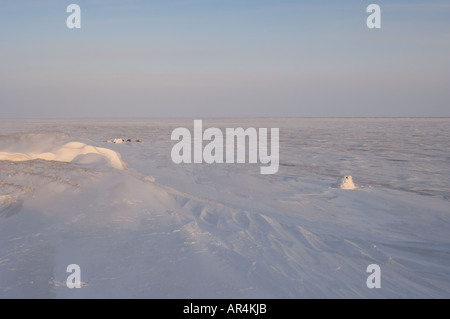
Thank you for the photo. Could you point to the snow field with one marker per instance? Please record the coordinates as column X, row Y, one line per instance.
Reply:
column 158, row 230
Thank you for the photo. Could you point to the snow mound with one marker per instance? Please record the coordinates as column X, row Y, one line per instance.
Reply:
column 346, row 182
column 55, row 147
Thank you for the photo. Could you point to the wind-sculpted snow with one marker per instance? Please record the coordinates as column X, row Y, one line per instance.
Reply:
column 160, row 230
column 54, row 147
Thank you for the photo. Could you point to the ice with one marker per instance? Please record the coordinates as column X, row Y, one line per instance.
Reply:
column 155, row 229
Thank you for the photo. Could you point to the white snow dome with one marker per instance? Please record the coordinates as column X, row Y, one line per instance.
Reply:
column 346, row 182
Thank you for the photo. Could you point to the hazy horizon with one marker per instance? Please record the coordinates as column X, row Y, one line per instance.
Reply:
column 200, row 59
column 226, row 117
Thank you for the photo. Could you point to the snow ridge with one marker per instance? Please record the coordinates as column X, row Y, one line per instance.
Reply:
column 55, row 147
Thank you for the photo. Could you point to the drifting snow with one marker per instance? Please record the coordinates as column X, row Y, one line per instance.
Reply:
column 54, row 147
column 9, row 205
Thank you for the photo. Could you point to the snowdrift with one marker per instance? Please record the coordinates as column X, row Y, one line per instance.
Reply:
column 55, row 147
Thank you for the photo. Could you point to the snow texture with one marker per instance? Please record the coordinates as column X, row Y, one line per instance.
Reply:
column 54, row 147
column 154, row 229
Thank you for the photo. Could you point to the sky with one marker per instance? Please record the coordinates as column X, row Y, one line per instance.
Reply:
column 224, row 58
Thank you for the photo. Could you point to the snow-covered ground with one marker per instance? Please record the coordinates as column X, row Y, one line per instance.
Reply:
column 140, row 226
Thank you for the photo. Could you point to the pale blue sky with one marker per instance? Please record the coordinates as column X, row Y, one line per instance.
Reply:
column 206, row 58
